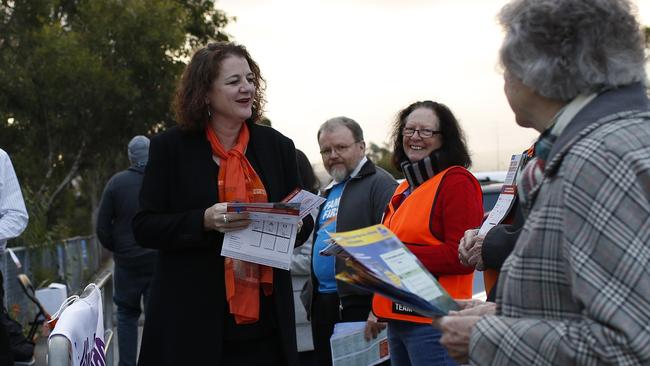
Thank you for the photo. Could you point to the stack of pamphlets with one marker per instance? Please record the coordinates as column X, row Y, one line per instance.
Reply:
column 307, row 200
column 270, row 237
column 379, row 262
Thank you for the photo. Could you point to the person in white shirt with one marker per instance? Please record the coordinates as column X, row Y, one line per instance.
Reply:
column 13, row 221
column 13, row 214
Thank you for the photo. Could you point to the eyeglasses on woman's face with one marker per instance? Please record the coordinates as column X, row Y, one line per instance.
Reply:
column 423, row 132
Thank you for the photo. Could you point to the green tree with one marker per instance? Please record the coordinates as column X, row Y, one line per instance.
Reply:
column 383, row 157
column 78, row 79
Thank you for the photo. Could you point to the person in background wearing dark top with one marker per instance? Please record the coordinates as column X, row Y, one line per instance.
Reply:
column 205, row 309
column 356, row 198
column 488, row 253
column 430, row 211
column 308, row 179
column 134, row 265
column 300, row 264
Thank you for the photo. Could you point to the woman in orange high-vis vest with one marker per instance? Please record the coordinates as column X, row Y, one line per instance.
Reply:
column 429, row 212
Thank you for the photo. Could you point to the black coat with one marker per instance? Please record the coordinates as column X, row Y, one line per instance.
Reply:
column 118, row 206
column 185, row 315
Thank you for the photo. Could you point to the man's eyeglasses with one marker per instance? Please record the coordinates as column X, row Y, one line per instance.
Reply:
column 424, row 132
column 338, row 149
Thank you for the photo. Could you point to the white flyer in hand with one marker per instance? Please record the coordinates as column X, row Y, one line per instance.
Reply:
column 269, row 239
column 350, row 348
column 506, row 197
column 308, row 201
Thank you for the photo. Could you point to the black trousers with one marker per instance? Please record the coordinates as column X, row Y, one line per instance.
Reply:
column 326, row 312
column 6, row 358
column 355, row 308
column 267, row 351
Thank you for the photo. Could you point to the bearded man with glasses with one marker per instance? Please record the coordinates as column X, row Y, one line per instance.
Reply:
column 356, row 198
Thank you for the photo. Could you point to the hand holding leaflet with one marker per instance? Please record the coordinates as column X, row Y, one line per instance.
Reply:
column 269, row 239
column 308, row 201
column 506, row 197
column 379, row 262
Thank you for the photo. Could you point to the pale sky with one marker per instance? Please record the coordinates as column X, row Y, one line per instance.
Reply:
column 367, row 59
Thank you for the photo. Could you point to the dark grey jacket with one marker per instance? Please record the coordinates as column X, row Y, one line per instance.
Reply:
column 499, row 242
column 362, row 204
column 118, row 206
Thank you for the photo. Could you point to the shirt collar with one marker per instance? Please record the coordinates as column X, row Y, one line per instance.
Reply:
column 566, row 114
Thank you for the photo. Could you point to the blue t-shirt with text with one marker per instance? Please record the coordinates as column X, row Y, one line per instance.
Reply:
column 324, row 266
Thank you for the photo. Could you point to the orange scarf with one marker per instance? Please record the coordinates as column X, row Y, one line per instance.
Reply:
column 238, row 182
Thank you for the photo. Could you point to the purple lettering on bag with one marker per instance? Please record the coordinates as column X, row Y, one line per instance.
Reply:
column 94, row 356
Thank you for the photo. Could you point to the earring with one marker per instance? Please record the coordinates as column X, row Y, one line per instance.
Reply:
column 209, row 114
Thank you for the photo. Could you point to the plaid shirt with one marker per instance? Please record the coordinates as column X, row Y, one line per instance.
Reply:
column 576, row 288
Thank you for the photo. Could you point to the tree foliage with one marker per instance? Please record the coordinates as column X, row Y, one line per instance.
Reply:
column 383, row 157
column 79, row 78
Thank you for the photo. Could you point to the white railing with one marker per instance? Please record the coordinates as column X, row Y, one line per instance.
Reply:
column 59, row 348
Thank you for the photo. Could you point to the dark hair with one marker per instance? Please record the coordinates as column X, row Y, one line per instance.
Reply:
column 189, row 102
column 306, row 173
column 453, row 149
column 349, row 123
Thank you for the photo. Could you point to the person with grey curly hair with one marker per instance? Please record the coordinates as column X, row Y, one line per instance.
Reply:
column 562, row 49
column 575, row 289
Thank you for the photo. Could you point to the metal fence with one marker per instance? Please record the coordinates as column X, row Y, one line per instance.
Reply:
column 73, row 262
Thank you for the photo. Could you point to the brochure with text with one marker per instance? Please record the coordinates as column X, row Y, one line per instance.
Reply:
column 379, row 262
column 270, row 237
column 507, row 197
column 350, row 348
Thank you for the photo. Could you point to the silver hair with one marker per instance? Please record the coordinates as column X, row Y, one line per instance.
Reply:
column 563, row 48
column 352, row 125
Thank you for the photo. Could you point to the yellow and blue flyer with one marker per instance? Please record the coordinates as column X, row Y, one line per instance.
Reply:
column 378, row 261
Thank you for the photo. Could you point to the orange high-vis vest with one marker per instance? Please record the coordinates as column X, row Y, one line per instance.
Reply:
column 411, row 223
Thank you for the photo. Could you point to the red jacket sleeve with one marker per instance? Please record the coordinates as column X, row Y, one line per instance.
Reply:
column 458, row 207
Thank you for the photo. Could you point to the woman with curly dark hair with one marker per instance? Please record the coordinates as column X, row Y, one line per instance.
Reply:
column 429, row 212
column 204, row 308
